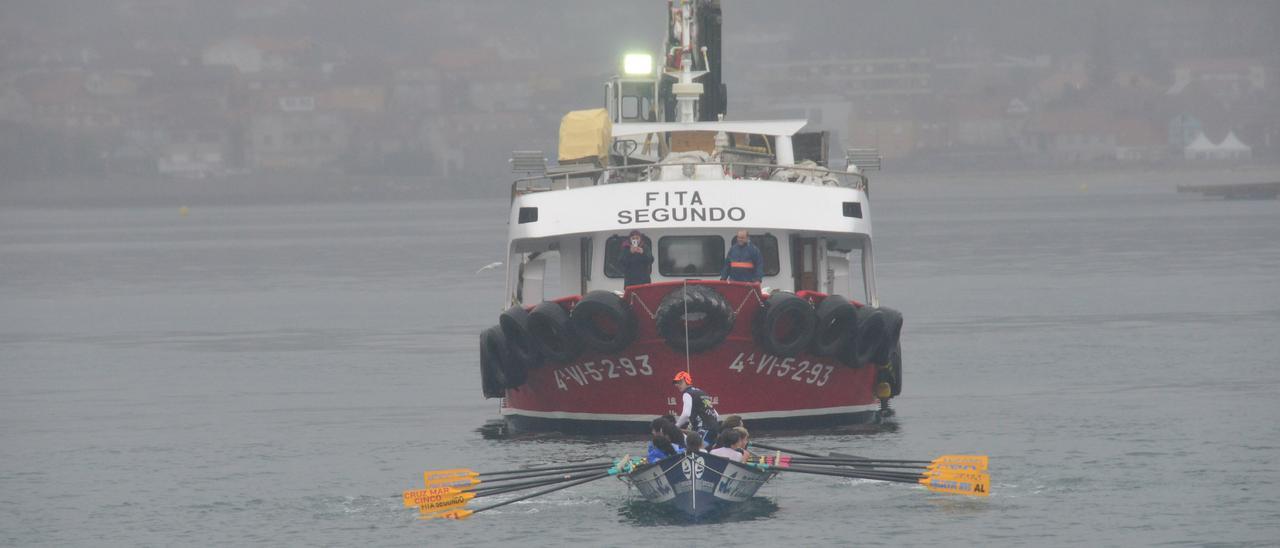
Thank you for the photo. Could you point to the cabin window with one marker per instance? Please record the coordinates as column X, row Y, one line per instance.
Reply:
column 613, row 254
column 768, row 246
column 690, row 255
column 635, row 107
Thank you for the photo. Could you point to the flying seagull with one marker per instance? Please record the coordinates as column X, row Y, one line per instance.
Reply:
column 489, row 266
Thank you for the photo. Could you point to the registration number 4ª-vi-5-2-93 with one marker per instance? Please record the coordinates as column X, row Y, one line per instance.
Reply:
column 804, row 371
column 586, row 373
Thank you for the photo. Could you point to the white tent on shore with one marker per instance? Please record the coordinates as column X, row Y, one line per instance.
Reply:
column 1234, row 148
column 1201, row 148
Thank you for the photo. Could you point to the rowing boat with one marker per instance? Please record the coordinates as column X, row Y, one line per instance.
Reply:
column 697, row 483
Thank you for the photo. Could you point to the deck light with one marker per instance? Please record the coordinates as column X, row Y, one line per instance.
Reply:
column 637, row 63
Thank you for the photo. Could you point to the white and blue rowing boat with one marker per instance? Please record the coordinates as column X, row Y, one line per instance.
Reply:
column 697, row 483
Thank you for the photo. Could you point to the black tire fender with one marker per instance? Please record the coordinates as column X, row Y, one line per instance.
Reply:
column 553, row 333
column 785, row 307
column 893, row 372
column 520, row 345
column 717, row 318
column 493, row 363
column 603, row 307
column 878, row 332
column 836, row 331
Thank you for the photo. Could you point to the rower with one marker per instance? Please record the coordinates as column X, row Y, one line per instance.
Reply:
column 660, row 448
column 665, row 426
column 667, row 440
column 729, row 445
column 693, row 443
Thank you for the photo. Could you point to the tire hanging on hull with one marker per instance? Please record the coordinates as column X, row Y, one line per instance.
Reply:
column 520, row 346
column 785, row 326
column 892, row 373
column 707, row 323
column 878, row 332
column 836, row 332
column 553, row 333
column 603, row 321
column 493, row 358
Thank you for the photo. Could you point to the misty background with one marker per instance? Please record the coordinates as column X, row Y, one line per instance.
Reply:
column 141, row 100
column 270, row 329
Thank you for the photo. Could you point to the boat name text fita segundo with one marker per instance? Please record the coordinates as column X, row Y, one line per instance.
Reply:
column 678, row 206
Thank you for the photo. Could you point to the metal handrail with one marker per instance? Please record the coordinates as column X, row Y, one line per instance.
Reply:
column 646, row 173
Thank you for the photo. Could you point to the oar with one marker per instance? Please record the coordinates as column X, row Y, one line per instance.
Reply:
column 603, row 464
column 430, row 475
column 970, row 484
column 847, row 473
column 463, row 513
column 441, row 483
column 505, row 487
column 448, row 502
column 785, row 450
column 976, row 463
column 441, row 499
column 843, row 456
column 461, row 477
column 843, row 462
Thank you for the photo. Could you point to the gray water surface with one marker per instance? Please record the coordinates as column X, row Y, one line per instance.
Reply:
column 278, row 375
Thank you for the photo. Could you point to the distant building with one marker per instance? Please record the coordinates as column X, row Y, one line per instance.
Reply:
column 61, row 100
column 1227, row 80
column 1183, row 129
column 297, row 140
column 1139, row 141
column 1087, row 135
column 895, row 137
column 253, row 55
column 193, row 153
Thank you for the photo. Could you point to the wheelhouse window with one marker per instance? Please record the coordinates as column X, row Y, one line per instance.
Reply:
column 691, row 255
column 613, row 248
column 768, row 246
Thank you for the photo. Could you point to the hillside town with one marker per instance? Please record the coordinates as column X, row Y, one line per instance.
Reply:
column 276, row 87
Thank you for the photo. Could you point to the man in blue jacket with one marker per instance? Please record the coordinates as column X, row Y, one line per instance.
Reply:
column 743, row 262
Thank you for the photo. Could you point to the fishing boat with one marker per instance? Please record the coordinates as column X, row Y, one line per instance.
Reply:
column 660, row 171
column 697, row 483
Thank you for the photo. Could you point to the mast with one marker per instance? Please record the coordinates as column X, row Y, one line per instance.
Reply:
column 693, row 38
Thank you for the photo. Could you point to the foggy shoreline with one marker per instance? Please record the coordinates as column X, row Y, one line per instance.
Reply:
column 277, row 189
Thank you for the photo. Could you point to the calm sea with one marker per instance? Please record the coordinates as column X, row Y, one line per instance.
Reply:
column 278, row 375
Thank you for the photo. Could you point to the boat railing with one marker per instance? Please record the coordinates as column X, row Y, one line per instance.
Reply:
column 571, row 176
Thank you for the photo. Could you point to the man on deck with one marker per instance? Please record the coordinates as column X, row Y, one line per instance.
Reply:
column 635, row 261
column 743, row 262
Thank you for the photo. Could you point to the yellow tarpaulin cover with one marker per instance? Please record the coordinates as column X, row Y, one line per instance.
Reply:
column 585, row 134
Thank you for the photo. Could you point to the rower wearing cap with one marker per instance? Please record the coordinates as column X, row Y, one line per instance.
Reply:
column 697, row 413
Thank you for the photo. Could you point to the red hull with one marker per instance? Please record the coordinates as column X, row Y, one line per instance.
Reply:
column 634, row 385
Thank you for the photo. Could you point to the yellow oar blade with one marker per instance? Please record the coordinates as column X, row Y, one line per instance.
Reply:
column 456, row 483
column 953, row 468
column 457, row 514
column 449, row 512
column 959, row 476
column 975, row 463
column 418, row 497
column 958, row 486
column 451, row 474
column 446, row 502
